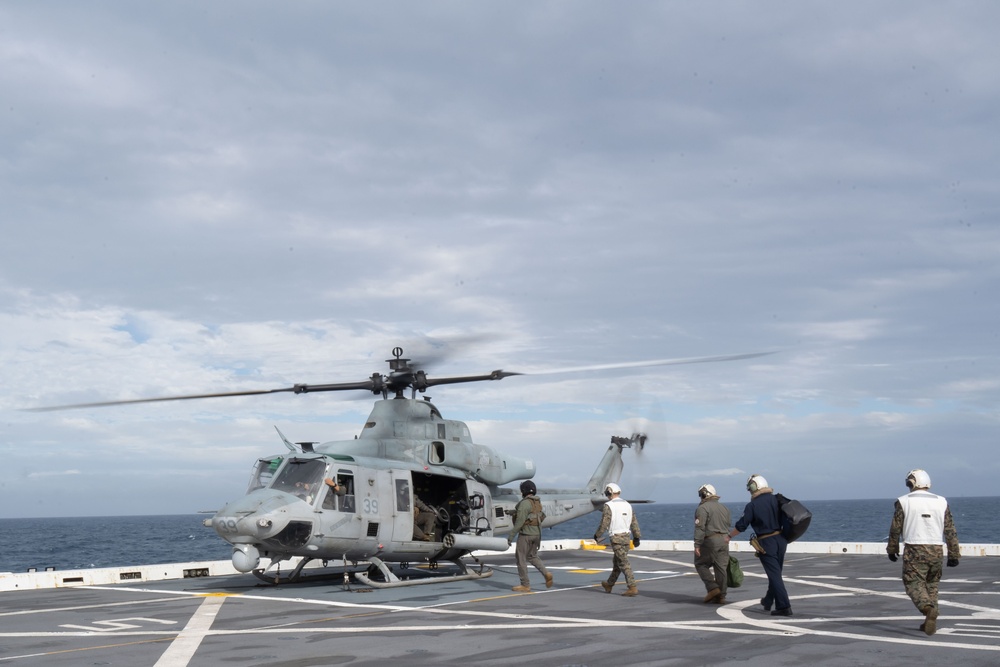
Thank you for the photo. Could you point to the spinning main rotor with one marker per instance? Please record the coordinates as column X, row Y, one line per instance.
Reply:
column 402, row 376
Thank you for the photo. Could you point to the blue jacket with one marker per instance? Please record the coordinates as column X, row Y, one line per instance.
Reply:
column 762, row 513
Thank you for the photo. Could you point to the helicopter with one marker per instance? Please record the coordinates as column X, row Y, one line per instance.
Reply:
column 350, row 505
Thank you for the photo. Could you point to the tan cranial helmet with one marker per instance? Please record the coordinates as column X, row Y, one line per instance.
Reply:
column 918, row 479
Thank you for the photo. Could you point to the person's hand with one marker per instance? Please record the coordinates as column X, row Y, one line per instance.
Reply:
column 697, row 552
column 952, row 562
column 635, row 541
column 893, row 557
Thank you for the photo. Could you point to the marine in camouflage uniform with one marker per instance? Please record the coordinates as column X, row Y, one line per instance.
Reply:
column 424, row 521
column 619, row 520
column 923, row 555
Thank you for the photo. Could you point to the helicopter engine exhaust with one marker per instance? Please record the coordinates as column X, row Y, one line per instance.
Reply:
column 246, row 558
column 475, row 542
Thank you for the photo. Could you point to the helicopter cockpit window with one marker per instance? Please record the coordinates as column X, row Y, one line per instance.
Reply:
column 345, row 491
column 301, row 477
column 346, row 501
column 263, row 472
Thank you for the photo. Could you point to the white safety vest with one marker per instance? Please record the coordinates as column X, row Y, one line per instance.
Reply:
column 621, row 516
column 923, row 521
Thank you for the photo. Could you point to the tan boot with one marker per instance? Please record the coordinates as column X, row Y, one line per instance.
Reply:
column 548, row 581
column 711, row 595
column 606, row 586
column 929, row 626
column 521, row 589
column 630, row 592
column 719, row 600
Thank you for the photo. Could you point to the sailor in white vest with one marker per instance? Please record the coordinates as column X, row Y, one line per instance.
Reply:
column 921, row 519
column 618, row 519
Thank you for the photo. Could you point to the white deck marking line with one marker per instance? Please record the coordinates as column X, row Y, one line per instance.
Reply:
column 735, row 610
column 26, row 612
column 795, row 626
column 183, row 648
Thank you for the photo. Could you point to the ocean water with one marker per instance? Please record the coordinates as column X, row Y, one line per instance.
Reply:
column 86, row 542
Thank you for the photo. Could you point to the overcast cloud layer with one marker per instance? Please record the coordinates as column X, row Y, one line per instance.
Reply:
column 202, row 197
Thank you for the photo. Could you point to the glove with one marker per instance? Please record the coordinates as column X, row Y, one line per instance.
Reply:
column 635, row 543
column 952, row 562
column 509, row 541
column 597, row 538
column 893, row 557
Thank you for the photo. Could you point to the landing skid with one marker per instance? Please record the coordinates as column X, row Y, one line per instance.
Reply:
column 390, row 580
column 295, row 576
column 387, row 578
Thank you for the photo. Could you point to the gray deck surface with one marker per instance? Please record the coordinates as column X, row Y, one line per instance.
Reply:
column 849, row 610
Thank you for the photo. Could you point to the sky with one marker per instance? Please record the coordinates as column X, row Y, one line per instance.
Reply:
column 231, row 196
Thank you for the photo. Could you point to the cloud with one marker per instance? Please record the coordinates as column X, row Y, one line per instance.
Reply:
column 199, row 202
column 51, row 473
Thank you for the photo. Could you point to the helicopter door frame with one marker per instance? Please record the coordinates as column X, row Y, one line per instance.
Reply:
column 402, row 507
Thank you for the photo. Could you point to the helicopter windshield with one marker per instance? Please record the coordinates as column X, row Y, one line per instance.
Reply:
column 263, row 472
column 301, row 477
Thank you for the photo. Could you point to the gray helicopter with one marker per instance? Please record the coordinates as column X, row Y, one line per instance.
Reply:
column 355, row 506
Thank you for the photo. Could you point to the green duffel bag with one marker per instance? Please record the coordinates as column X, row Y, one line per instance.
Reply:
column 734, row 573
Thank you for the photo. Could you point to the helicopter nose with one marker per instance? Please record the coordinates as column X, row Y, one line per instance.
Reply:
column 254, row 517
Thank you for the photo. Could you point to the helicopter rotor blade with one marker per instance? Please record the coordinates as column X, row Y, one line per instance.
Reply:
column 403, row 376
column 102, row 404
column 650, row 362
column 295, row 389
column 494, row 375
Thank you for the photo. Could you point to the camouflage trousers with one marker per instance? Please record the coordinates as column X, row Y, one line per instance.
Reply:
column 620, row 565
column 922, row 572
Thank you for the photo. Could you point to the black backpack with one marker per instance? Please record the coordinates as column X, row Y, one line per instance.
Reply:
column 795, row 518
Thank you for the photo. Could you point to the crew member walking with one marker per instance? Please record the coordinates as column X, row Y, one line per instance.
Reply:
column 711, row 544
column 763, row 514
column 528, row 530
column 921, row 518
column 618, row 519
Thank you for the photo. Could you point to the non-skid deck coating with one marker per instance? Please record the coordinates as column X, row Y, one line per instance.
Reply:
column 849, row 610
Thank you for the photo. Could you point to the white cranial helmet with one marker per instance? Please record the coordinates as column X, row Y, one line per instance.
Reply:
column 612, row 489
column 706, row 490
column 918, row 479
column 755, row 483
